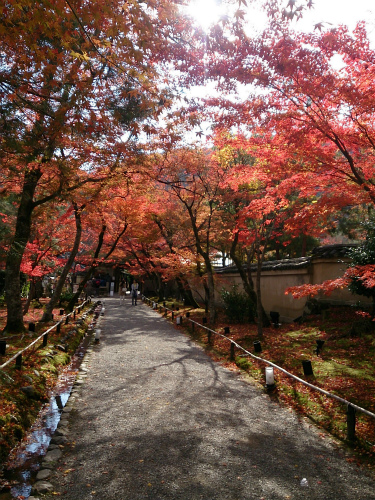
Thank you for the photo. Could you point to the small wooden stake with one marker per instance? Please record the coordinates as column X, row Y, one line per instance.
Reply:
column 231, row 351
column 19, row 361
column 350, row 421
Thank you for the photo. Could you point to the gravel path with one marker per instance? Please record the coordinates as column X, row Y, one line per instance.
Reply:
column 157, row 419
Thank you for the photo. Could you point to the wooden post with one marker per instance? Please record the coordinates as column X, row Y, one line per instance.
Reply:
column 19, row 361
column 193, row 327
column 350, row 421
column 172, row 315
column 3, row 347
column 58, row 328
column 67, row 320
column 45, row 339
column 307, row 368
column 232, row 351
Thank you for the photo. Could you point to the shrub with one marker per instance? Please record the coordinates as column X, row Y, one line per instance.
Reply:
column 237, row 305
column 66, row 296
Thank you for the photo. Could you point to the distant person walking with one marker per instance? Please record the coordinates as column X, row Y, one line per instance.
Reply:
column 122, row 290
column 134, row 293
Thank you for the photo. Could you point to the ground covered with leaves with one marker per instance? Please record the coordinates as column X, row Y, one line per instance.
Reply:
column 344, row 366
column 25, row 390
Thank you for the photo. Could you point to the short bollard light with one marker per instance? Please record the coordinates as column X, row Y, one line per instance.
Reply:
column 270, row 379
column 275, row 318
column 204, row 320
column 319, row 346
column 62, row 312
column 179, row 320
column 97, row 335
column 257, row 346
column 31, row 327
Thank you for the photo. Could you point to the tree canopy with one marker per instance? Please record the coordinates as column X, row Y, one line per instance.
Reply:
column 101, row 135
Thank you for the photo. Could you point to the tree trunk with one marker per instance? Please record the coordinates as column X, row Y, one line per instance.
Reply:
column 16, row 251
column 185, row 291
column 211, row 295
column 259, row 296
column 30, row 297
column 47, row 316
column 91, row 269
column 89, row 272
column 245, row 276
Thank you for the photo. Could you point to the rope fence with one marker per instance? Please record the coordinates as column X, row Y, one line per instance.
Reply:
column 351, row 407
column 44, row 336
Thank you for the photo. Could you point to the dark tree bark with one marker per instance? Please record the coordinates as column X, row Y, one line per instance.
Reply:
column 91, row 269
column 47, row 316
column 182, row 284
column 16, row 251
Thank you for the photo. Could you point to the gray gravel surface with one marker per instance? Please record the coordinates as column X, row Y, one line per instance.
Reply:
column 156, row 418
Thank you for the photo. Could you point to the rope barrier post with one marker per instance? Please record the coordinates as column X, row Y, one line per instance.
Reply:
column 172, row 315
column 67, row 320
column 74, row 314
column 232, row 351
column 45, row 339
column 350, row 421
column 209, row 338
column 19, row 361
column 3, row 347
column 193, row 327
column 307, row 367
column 58, row 327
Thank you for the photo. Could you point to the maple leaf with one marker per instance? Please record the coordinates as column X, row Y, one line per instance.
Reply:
column 239, row 14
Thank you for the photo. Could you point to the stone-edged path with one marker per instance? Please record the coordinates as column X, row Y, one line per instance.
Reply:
column 157, row 419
